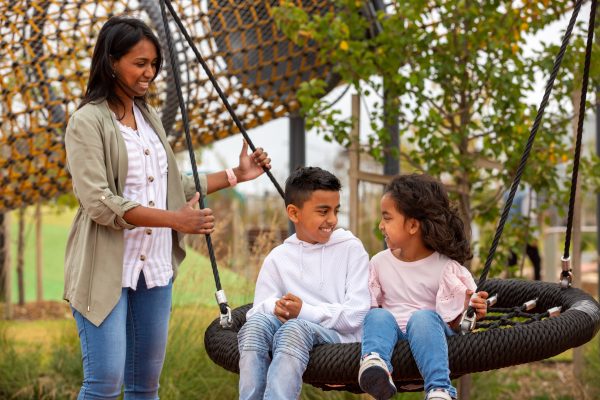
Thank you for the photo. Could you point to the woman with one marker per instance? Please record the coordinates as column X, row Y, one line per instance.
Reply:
column 127, row 237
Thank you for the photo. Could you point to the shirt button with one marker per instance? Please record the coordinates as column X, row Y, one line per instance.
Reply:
column 147, row 152
column 143, row 257
column 102, row 197
column 151, row 178
column 148, row 231
column 151, row 203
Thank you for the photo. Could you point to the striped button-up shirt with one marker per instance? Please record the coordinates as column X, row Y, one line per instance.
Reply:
column 147, row 250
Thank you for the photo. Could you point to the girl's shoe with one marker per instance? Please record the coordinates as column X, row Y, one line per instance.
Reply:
column 439, row 394
column 374, row 377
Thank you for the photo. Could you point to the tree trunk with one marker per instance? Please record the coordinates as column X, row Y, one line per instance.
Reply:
column 21, row 257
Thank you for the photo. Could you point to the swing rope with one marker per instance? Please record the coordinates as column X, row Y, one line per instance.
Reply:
column 220, row 294
column 529, row 144
column 581, row 117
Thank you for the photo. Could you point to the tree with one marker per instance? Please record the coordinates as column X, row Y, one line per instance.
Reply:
column 462, row 74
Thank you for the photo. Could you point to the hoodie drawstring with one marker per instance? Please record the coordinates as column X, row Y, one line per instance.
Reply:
column 321, row 268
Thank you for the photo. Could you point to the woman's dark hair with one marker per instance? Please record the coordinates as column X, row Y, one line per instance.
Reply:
column 425, row 199
column 303, row 181
column 116, row 38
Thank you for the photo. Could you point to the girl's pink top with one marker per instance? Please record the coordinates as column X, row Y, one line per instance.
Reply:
column 433, row 283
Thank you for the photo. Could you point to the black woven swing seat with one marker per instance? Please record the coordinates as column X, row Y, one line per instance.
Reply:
column 335, row 367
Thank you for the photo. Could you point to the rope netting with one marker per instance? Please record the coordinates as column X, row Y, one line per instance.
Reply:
column 46, row 49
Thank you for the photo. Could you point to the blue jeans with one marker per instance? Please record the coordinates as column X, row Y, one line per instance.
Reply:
column 274, row 356
column 129, row 346
column 426, row 334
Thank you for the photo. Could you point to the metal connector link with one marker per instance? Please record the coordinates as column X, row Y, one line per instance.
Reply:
column 221, row 297
column 225, row 320
column 467, row 324
column 554, row 311
column 566, row 276
column 491, row 301
column 530, row 305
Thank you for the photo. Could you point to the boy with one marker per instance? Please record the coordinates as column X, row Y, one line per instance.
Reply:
column 311, row 290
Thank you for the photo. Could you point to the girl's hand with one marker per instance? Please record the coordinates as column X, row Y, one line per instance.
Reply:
column 251, row 165
column 478, row 302
column 191, row 220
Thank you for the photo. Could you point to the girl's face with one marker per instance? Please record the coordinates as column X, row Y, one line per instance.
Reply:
column 136, row 69
column 397, row 229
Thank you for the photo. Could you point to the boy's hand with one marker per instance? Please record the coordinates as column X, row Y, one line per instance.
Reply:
column 478, row 303
column 288, row 306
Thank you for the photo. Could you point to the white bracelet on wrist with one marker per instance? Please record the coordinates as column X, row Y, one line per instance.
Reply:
column 231, row 178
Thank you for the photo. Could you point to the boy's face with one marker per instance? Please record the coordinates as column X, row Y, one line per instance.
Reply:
column 316, row 220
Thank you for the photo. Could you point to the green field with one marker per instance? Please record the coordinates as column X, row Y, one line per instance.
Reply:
column 194, row 284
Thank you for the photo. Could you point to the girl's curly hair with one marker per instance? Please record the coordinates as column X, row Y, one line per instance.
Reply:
column 424, row 198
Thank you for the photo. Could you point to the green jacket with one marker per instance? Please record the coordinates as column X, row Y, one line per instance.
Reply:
column 97, row 160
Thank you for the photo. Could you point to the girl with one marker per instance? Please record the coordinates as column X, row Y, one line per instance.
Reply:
column 420, row 285
column 127, row 237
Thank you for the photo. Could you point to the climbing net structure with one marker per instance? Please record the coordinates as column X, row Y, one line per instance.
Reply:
column 45, row 53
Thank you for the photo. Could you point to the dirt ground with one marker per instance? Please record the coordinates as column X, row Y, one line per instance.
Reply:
column 41, row 310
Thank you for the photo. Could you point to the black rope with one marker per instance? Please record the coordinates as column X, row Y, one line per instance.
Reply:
column 215, row 84
column 188, row 141
column 528, row 146
column 584, row 87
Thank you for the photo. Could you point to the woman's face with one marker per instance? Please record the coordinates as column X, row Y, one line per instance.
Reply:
column 136, row 69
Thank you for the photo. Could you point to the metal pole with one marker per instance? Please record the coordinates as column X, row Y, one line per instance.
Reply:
column 297, row 149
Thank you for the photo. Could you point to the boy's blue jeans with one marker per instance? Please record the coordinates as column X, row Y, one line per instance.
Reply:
column 129, row 346
column 426, row 334
column 274, row 356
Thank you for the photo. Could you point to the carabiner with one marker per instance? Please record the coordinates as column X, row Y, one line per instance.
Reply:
column 226, row 321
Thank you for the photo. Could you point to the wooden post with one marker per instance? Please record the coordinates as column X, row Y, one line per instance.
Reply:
column 8, row 311
column 39, row 251
column 354, row 157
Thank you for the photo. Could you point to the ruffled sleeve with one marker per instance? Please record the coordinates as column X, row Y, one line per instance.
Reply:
column 454, row 282
column 374, row 286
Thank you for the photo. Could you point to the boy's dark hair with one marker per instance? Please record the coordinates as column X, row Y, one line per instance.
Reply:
column 425, row 199
column 117, row 36
column 301, row 183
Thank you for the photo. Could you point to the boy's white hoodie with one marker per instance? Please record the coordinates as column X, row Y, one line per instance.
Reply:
column 331, row 279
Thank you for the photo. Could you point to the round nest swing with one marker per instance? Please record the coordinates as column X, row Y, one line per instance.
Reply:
column 335, row 366
column 531, row 321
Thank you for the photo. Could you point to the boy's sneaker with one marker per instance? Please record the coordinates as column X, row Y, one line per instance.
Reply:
column 439, row 394
column 374, row 377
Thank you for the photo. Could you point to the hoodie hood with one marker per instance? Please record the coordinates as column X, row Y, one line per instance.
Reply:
column 338, row 236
